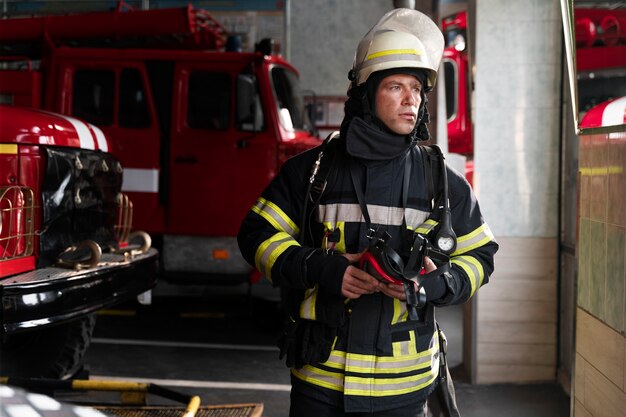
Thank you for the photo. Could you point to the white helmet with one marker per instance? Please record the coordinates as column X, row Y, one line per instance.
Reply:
column 402, row 38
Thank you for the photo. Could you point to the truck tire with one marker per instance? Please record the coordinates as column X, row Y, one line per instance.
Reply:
column 55, row 352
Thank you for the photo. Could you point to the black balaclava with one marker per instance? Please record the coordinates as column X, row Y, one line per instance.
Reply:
column 367, row 137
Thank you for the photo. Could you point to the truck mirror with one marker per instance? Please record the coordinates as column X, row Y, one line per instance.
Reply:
column 249, row 111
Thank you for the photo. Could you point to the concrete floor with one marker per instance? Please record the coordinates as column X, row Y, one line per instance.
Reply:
column 506, row 400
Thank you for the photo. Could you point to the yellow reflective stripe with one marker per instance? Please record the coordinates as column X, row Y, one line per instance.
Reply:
column 397, row 311
column 374, row 386
column 275, row 216
column 336, row 360
column 401, row 348
column 479, row 237
column 384, row 387
column 394, row 52
column 268, row 251
column 426, row 227
column 307, row 307
column 319, row 377
column 472, row 268
column 412, row 348
column 340, row 246
column 369, row 364
column 8, row 149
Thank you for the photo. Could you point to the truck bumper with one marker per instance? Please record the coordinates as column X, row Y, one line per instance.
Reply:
column 48, row 296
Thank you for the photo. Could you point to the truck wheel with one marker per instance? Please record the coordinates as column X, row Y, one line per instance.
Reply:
column 56, row 352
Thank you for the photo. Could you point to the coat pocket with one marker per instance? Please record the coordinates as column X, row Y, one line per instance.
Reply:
column 412, row 337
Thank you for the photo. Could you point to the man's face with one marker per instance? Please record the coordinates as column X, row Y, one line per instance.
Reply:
column 397, row 102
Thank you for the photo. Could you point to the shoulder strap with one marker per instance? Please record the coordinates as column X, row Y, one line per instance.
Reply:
column 321, row 168
column 317, row 182
column 433, row 158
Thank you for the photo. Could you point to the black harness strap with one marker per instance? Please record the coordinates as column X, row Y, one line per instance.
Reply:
column 432, row 158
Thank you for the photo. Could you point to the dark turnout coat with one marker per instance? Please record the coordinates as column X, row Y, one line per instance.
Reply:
column 379, row 359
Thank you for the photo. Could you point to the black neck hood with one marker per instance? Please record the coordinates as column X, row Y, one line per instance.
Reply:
column 368, row 142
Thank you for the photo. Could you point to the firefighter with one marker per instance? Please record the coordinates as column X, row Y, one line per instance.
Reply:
column 351, row 343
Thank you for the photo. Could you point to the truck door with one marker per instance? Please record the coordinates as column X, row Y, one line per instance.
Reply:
column 116, row 97
column 222, row 153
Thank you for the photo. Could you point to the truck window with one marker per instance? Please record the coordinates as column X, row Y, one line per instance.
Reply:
column 249, row 110
column 92, row 98
column 133, row 111
column 450, row 73
column 290, row 99
column 208, row 105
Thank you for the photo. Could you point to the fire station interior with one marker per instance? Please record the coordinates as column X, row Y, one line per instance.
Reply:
column 191, row 108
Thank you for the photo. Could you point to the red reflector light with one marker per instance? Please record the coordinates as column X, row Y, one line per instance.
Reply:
column 16, row 222
column 220, row 254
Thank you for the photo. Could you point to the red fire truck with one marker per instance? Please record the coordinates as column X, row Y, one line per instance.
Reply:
column 66, row 247
column 200, row 130
column 457, row 87
column 456, row 67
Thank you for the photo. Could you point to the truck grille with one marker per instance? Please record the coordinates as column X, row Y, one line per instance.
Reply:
column 79, row 200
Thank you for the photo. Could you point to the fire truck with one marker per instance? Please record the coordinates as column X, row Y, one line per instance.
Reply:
column 456, row 69
column 200, row 127
column 66, row 246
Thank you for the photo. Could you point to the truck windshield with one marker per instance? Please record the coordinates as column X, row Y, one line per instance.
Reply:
column 289, row 99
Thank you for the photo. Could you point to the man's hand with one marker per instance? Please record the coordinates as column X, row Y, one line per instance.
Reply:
column 428, row 265
column 357, row 282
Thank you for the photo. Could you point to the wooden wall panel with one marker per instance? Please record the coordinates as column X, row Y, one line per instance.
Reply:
column 517, row 314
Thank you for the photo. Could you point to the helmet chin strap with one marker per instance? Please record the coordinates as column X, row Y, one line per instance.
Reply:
column 367, row 110
column 420, row 132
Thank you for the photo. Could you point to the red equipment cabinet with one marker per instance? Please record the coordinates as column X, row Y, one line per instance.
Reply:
column 64, row 241
column 199, row 130
column 600, row 55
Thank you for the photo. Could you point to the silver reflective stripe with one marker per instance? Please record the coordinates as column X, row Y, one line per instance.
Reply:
column 319, row 377
column 390, row 216
column 337, row 360
column 384, row 367
column 426, row 227
column 270, row 248
column 477, row 238
column 415, row 217
column 373, row 365
column 472, row 268
column 381, row 387
column 271, row 212
column 307, row 307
